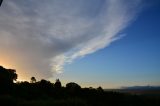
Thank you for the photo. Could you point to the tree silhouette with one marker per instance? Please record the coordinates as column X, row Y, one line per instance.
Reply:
column 1, row 2
column 44, row 84
column 45, row 87
column 7, row 76
column 57, row 84
column 33, row 80
column 100, row 89
column 73, row 89
column 73, row 86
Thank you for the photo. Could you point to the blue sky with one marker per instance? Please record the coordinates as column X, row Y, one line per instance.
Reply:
column 132, row 60
column 108, row 43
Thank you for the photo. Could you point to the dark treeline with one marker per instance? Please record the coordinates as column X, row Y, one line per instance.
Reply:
column 45, row 93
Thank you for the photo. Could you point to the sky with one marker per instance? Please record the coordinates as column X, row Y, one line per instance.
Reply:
column 108, row 43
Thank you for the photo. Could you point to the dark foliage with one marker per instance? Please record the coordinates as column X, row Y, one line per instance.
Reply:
column 1, row 2
column 45, row 93
column 7, row 76
column 58, row 84
column 33, row 79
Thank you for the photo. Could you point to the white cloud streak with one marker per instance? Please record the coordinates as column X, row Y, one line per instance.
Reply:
column 44, row 35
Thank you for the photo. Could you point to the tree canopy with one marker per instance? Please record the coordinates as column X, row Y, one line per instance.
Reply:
column 7, row 76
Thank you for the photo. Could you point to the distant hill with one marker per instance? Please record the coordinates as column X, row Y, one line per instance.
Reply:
column 139, row 90
column 142, row 88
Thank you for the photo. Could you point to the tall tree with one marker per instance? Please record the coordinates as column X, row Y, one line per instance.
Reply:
column 7, row 76
column 33, row 80
column 58, row 84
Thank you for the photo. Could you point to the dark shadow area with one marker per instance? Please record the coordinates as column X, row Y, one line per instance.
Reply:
column 1, row 2
column 46, row 93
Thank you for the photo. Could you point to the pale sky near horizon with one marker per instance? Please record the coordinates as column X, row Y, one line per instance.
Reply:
column 108, row 43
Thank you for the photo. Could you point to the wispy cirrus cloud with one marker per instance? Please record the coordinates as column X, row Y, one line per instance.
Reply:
column 41, row 36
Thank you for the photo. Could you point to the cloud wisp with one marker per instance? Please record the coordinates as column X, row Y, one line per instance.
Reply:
column 41, row 36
